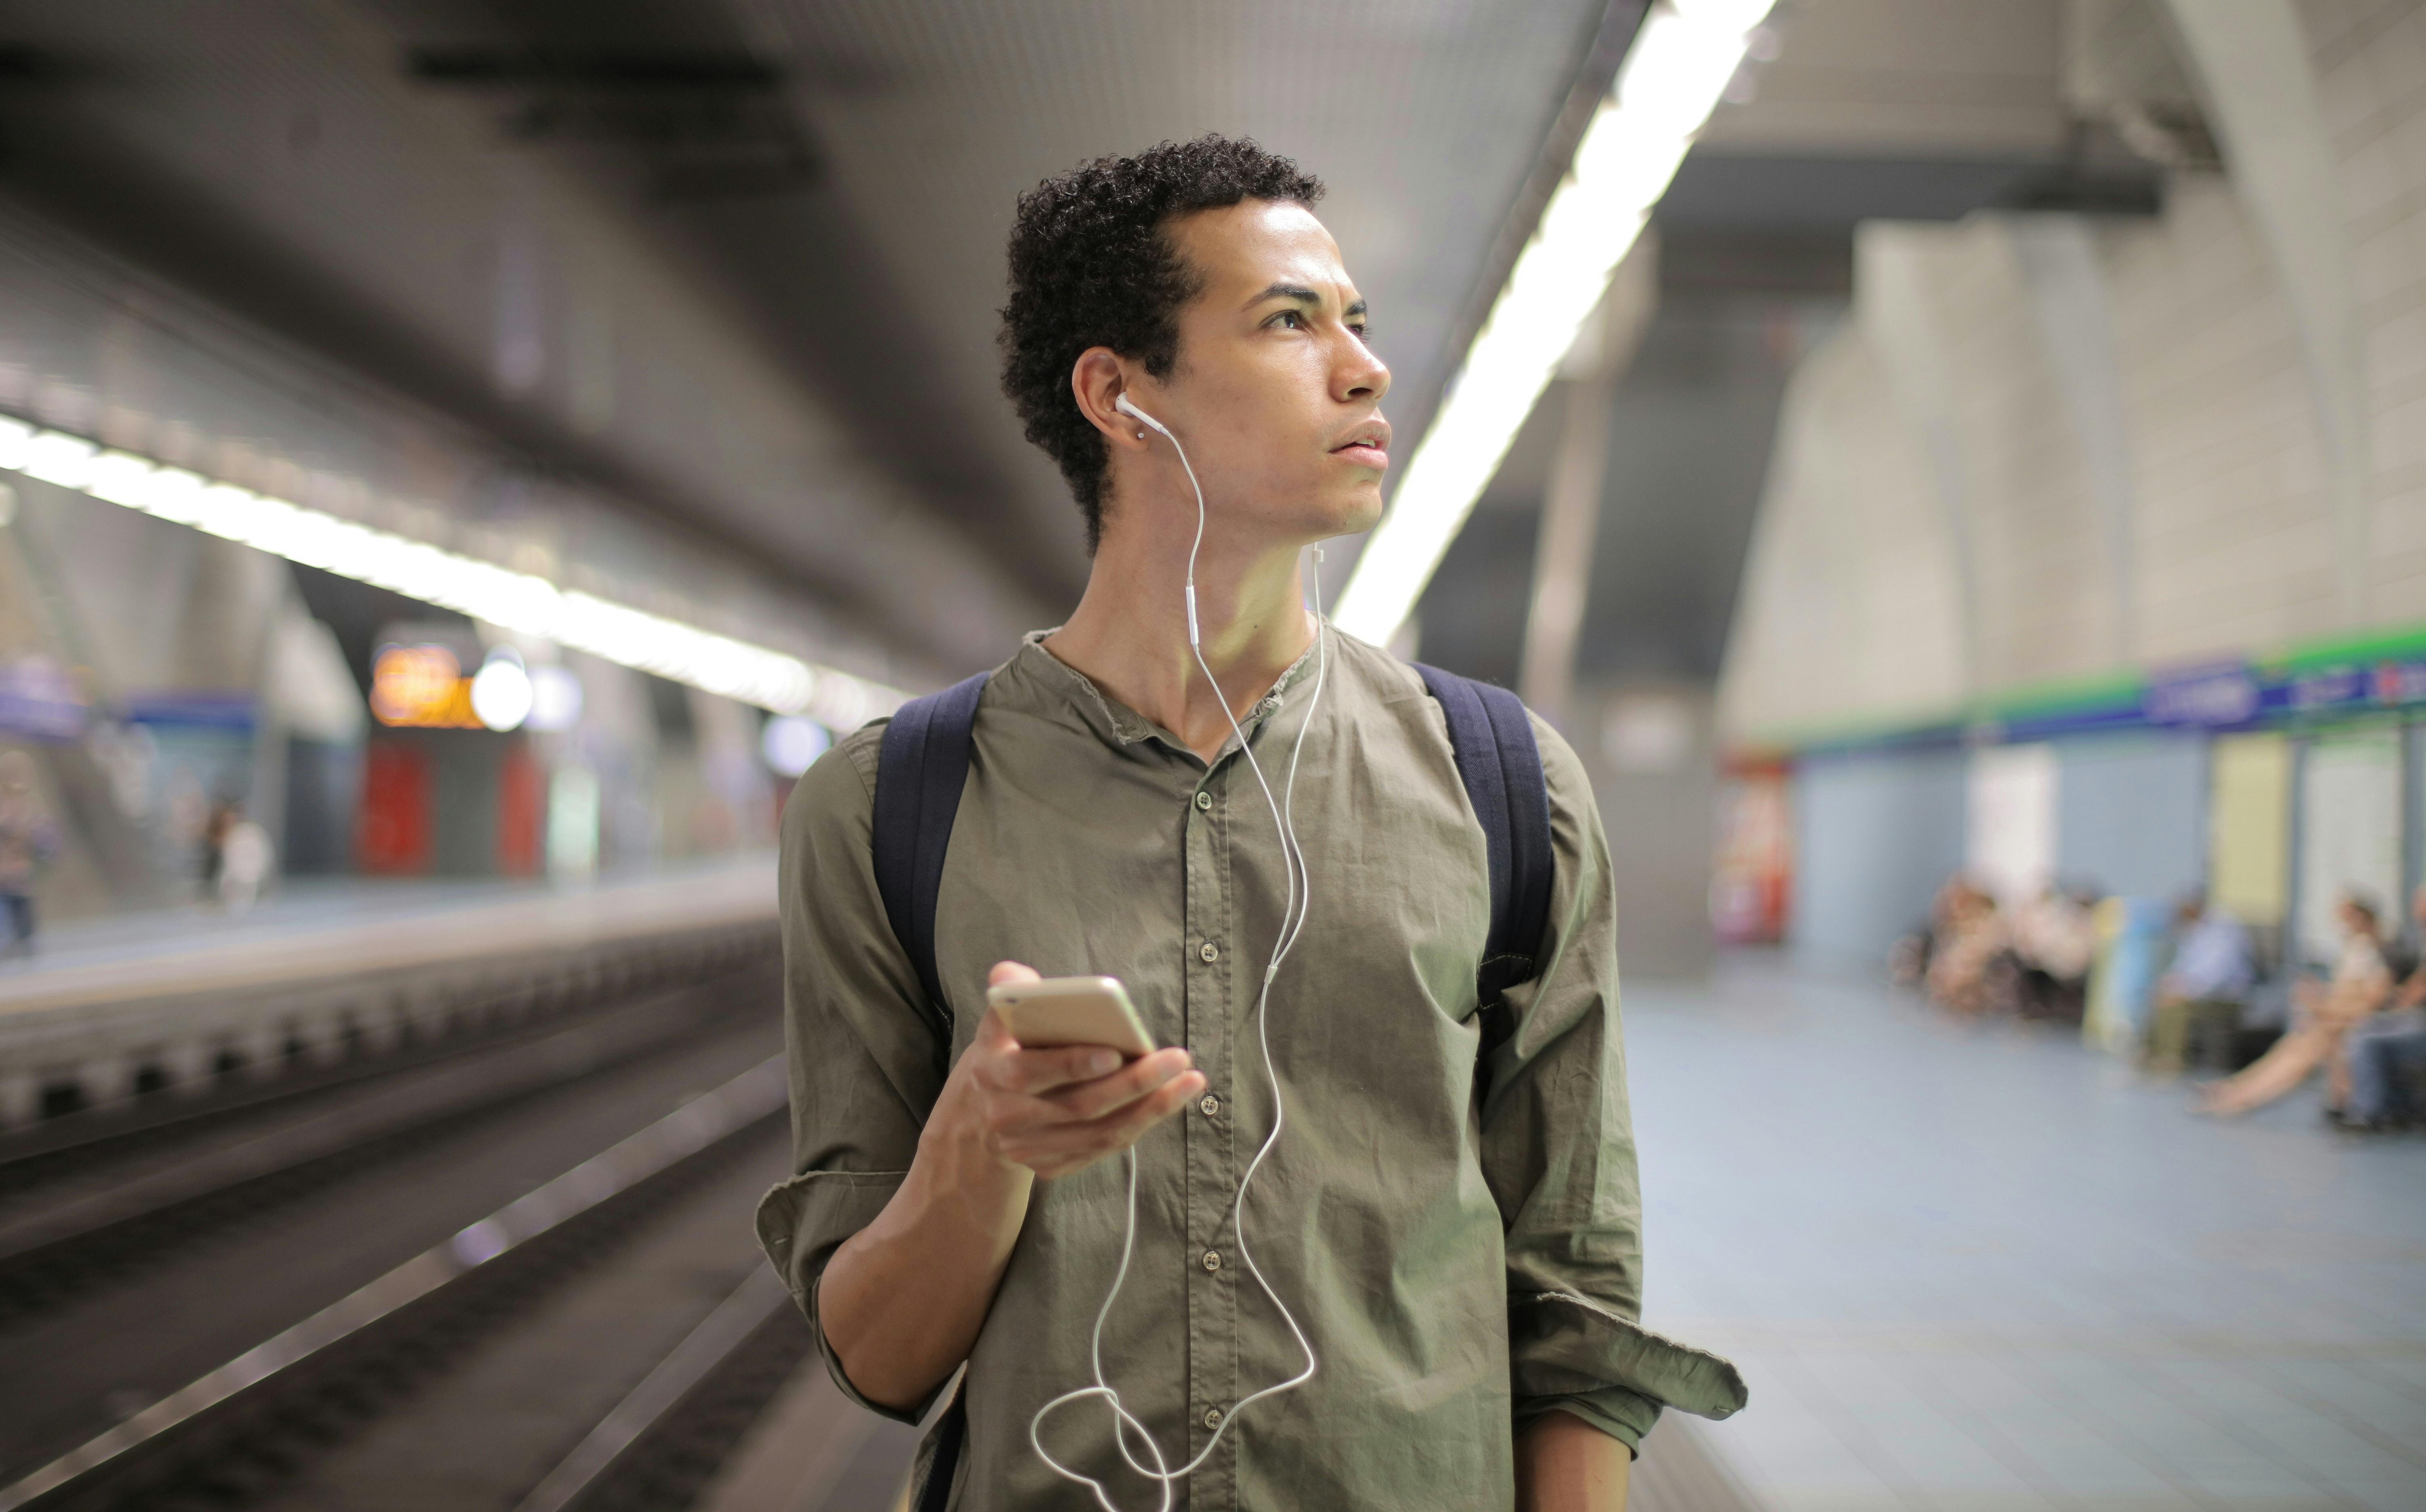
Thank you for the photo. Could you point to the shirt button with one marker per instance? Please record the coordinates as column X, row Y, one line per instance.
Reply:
column 1212, row 1417
column 1212, row 1260
column 1204, row 800
column 1211, row 1104
column 1208, row 953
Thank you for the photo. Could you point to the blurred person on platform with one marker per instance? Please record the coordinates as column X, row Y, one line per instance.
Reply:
column 2388, row 1053
column 245, row 860
column 1908, row 958
column 1971, row 938
column 29, row 841
column 2324, row 1015
column 2054, row 940
column 2204, row 993
column 212, row 854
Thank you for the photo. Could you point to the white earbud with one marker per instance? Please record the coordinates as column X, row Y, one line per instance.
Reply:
column 1123, row 405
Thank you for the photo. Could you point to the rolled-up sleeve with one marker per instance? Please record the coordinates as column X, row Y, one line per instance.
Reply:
column 1557, row 1151
column 862, row 1058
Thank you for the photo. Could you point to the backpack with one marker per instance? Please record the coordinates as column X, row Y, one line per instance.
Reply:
column 924, row 762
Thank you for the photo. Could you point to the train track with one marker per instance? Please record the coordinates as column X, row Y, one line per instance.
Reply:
column 238, row 1435
column 78, row 1215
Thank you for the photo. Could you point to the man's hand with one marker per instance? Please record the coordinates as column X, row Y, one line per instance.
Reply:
column 903, row 1298
column 1059, row 1111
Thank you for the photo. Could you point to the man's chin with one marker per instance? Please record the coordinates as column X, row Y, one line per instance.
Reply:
column 1353, row 516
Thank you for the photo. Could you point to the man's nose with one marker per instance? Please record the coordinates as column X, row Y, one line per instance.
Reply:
column 1361, row 374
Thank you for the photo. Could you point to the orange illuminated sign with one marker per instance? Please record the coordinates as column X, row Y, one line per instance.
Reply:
column 422, row 686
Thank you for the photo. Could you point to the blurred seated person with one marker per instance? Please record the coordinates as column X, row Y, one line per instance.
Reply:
column 2054, row 941
column 1970, row 939
column 2207, row 987
column 1908, row 958
column 2389, row 1048
column 2323, row 1017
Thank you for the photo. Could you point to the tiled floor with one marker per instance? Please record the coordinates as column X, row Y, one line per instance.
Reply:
column 1980, row 1268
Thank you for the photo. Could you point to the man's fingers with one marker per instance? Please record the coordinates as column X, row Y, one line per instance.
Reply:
column 1010, row 970
column 1059, row 1148
column 1094, row 1098
column 1036, row 1071
column 994, row 1034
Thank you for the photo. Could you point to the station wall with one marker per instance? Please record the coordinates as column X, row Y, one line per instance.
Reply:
column 1874, row 837
column 2131, row 813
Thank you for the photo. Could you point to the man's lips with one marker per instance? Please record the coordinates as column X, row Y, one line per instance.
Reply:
column 1369, row 453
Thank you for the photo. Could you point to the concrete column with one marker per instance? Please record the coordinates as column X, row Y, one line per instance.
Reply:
column 1563, row 558
column 2075, row 321
column 2260, row 97
column 1649, row 747
column 1891, row 301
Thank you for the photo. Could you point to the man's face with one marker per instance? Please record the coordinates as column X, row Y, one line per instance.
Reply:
column 1275, row 394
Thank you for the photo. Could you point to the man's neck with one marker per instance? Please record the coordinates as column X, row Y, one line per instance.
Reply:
column 1129, row 632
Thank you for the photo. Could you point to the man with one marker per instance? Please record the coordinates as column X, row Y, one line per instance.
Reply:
column 2201, row 994
column 1466, row 1267
column 2388, row 1052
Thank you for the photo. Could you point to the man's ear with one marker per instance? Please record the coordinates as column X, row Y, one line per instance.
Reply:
column 1097, row 380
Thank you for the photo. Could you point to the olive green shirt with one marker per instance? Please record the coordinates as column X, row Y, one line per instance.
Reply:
column 1461, row 1264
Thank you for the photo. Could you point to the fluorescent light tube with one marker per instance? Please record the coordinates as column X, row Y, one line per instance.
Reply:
column 1671, row 78
column 771, row 679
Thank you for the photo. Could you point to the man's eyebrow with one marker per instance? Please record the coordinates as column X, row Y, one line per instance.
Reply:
column 1300, row 294
column 1297, row 291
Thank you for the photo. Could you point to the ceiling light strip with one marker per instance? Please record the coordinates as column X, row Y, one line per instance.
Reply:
column 1671, row 78
column 519, row 601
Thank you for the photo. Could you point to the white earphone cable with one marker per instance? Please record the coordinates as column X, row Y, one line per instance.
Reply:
column 1297, row 905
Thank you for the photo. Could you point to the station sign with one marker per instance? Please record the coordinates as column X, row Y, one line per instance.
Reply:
column 422, row 687
column 2241, row 695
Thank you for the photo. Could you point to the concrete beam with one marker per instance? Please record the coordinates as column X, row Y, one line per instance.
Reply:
column 2260, row 97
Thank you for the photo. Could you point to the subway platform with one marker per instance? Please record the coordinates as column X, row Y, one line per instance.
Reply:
column 121, row 1008
column 1973, row 1268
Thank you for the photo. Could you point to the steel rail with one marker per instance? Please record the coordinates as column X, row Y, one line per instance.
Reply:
column 709, row 1119
column 719, row 1337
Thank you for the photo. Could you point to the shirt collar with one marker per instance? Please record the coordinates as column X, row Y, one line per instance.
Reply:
column 1124, row 726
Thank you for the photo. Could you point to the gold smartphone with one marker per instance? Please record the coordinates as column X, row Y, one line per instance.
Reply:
column 1071, row 1011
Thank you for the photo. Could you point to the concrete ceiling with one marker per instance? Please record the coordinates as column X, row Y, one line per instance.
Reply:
column 789, row 217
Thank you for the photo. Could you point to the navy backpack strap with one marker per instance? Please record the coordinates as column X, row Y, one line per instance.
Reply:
column 1491, row 738
column 919, row 772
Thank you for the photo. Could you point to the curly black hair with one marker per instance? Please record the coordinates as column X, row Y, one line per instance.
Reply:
column 1092, row 265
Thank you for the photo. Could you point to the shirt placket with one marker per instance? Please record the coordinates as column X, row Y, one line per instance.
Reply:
column 1212, row 1298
